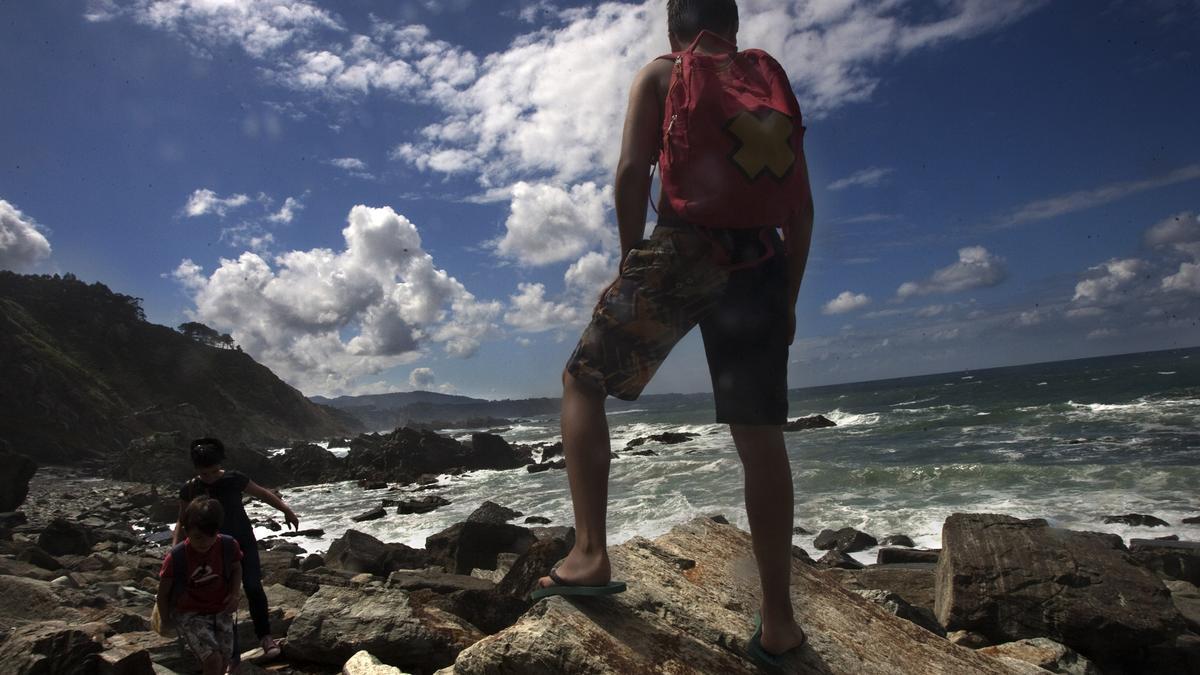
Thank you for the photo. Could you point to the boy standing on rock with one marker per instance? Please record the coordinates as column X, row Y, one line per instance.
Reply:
column 227, row 488
column 726, row 131
column 198, row 588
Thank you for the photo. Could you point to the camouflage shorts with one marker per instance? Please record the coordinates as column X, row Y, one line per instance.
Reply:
column 674, row 281
column 206, row 634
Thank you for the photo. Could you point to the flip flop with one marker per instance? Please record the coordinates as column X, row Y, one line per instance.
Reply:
column 764, row 658
column 563, row 587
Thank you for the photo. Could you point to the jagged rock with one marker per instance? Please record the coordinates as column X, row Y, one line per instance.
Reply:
column 164, row 652
column 900, row 607
column 1011, row 579
column 814, row 422
column 795, row 530
column 551, row 451
column 1187, row 600
column 535, row 563
column 897, row 540
column 839, row 559
column 489, row 451
column 491, row 512
column 356, row 552
column 309, row 464
column 537, row 520
column 29, row 600
column 16, row 568
column 1194, row 520
column 666, row 438
column 312, row 562
column 891, row 556
column 14, row 480
column 363, row 663
column 968, row 638
column 337, row 623
column 1047, row 654
column 676, row 620
column 487, row 610
column 1136, row 519
column 374, row 514
column 34, row 555
column 912, row 581
column 462, row 547
column 438, row 582
column 124, row 661
column 846, row 540
column 63, row 537
column 421, row 504
column 49, row 648
column 1169, row 559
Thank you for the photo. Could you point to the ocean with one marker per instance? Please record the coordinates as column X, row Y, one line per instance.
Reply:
column 1069, row 441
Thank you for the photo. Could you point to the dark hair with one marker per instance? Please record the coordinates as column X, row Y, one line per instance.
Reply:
column 686, row 18
column 207, row 452
column 204, row 514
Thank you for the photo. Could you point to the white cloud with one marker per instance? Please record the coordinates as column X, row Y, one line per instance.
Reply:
column 976, row 268
column 549, row 224
column 421, row 378
column 531, row 312
column 931, row 311
column 1102, row 333
column 1107, row 281
column 205, row 201
column 872, row 177
column 1085, row 312
column 1186, row 280
column 846, row 301
column 1044, row 209
column 287, row 212
column 1033, row 317
column 349, row 163
column 590, row 274
column 22, row 245
column 382, row 290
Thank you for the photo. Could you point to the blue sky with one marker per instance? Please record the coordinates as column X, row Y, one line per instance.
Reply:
column 377, row 196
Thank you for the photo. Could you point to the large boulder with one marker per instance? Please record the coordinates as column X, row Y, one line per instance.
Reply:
column 357, row 552
column 914, row 582
column 50, row 648
column 814, row 422
column 14, row 480
column 465, row 546
column 29, row 600
column 337, row 623
column 690, row 607
column 308, row 464
column 491, row 512
column 1169, row 559
column 1011, row 579
column 846, row 540
column 489, row 451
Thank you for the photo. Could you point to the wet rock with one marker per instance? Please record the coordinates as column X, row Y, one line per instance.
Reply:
column 538, row 468
column 675, row 620
column 489, row 451
column 1169, row 537
column 421, row 504
column 839, row 559
column 846, row 540
column 897, row 540
column 14, row 480
column 315, row 533
column 537, row 520
column 356, row 552
column 465, row 546
column 890, row 556
column 369, row 484
column 643, row 453
column 491, row 512
column 1194, row 520
column 900, row 607
column 438, row 582
column 1168, row 559
column 374, row 514
column 814, row 422
column 798, row 530
column 309, row 464
column 551, row 451
column 1136, row 519
column 337, row 623
column 1047, row 654
column 63, row 537
column 49, row 647
column 667, row 438
column 1012, row 579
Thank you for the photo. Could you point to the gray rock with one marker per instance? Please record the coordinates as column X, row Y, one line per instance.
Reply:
column 438, row 582
column 356, row 552
column 846, row 540
column 839, row 559
column 1012, row 579
column 29, row 600
column 696, row 619
column 891, row 556
column 363, row 663
column 1137, row 520
column 420, row 505
column 462, row 547
column 1168, row 559
column 491, row 512
column 48, row 648
column 900, row 607
column 912, row 581
column 814, row 422
column 337, row 623
column 1187, row 600
column 1046, row 654
column 63, row 537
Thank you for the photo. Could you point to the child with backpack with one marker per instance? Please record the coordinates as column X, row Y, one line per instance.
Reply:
column 726, row 131
column 199, row 587
column 227, row 487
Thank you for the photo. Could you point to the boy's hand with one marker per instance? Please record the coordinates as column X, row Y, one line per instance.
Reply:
column 289, row 517
column 231, row 602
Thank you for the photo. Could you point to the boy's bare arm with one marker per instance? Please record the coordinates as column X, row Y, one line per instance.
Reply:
column 164, row 598
column 639, row 150
column 235, row 589
column 259, row 492
column 177, row 533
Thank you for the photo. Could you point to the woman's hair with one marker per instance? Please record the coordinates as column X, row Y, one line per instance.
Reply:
column 686, row 18
column 204, row 514
column 207, row 452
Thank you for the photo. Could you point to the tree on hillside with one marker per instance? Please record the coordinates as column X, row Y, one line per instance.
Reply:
column 205, row 335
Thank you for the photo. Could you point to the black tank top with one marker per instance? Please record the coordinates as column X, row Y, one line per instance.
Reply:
column 228, row 491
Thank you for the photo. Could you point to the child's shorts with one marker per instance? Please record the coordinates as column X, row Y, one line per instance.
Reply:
column 206, row 634
column 681, row 277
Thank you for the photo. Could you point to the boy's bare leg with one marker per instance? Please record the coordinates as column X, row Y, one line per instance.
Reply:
column 586, row 449
column 769, row 506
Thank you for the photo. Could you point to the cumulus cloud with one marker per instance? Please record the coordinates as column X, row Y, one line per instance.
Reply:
column 976, row 268
column 590, row 274
column 421, row 378
column 204, row 201
column 872, row 177
column 22, row 244
column 530, row 311
column 287, row 212
column 382, row 292
column 1186, row 280
column 846, row 301
column 549, row 224
column 1107, row 282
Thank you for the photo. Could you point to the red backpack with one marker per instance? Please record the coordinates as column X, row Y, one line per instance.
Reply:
column 732, row 136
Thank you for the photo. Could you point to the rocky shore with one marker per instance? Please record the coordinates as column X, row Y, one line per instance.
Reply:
column 80, row 551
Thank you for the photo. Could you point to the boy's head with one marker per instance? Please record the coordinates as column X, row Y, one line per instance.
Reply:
column 686, row 18
column 207, row 455
column 202, row 521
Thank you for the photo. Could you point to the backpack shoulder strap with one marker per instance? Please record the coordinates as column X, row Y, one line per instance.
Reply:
column 227, row 550
column 178, row 556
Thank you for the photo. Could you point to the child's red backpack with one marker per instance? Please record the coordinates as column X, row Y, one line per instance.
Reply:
column 732, row 137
